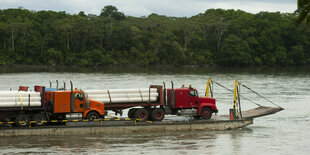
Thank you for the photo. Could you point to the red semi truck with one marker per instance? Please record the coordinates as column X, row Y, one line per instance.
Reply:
column 168, row 101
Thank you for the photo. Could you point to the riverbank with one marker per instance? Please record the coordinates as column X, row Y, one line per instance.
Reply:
column 153, row 69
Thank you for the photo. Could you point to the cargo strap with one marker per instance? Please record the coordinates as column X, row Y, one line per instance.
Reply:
column 141, row 95
column 109, row 96
column 21, row 101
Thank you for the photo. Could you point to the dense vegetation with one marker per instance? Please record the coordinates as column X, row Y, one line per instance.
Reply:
column 222, row 37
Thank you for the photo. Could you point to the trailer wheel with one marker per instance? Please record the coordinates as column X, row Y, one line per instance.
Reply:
column 141, row 114
column 22, row 120
column 157, row 114
column 40, row 119
column 92, row 115
column 131, row 113
column 206, row 113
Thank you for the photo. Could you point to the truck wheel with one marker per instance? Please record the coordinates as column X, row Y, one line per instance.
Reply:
column 40, row 119
column 141, row 114
column 92, row 115
column 22, row 120
column 157, row 114
column 206, row 113
column 131, row 113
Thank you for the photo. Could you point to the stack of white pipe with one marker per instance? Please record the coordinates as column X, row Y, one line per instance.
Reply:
column 123, row 95
column 10, row 99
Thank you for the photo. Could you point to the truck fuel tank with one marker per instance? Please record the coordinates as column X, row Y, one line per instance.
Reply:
column 187, row 112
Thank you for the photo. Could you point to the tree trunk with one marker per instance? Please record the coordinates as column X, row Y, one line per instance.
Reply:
column 12, row 37
column 42, row 45
column 219, row 39
column 101, row 41
column 82, row 45
column 68, row 46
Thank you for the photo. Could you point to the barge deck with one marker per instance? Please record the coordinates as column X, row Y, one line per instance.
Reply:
column 121, row 126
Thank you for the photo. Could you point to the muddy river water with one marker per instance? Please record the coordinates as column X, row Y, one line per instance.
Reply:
column 287, row 132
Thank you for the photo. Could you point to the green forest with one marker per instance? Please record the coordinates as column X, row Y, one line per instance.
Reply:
column 215, row 37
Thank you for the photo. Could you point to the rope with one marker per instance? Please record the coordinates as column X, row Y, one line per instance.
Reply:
column 233, row 92
column 260, row 95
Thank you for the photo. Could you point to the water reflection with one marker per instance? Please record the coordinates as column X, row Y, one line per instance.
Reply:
column 178, row 142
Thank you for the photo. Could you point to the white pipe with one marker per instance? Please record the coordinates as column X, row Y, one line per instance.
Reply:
column 125, row 100
column 18, row 104
column 24, row 99
column 94, row 96
column 16, row 94
column 121, row 91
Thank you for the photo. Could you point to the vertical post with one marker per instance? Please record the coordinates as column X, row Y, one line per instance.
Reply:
column 211, row 88
column 234, row 111
column 208, row 88
column 72, row 98
column 149, row 95
column 165, row 96
column 43, row 98
column 238, row 91
column 28, row 100
column 172, row 95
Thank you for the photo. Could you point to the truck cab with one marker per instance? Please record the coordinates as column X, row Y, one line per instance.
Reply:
column 76, row 101
column 188, row 98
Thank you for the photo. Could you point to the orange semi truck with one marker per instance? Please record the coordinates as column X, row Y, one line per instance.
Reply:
column 54, row 105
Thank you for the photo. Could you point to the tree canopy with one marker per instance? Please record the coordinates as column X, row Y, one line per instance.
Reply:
column 303, row 9
column 217, row 36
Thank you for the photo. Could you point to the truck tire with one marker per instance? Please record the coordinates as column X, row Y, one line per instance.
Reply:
column 131, row 113
column 40, row 119
column 142, row 114
column 206, row 113
column 22, row 120
column 92, row 115
column 157, row 115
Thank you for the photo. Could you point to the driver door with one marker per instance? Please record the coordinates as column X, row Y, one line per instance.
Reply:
column 193, row 98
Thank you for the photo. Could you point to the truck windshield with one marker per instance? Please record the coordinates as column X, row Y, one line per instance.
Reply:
column 193, row 93
column 79, row 96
